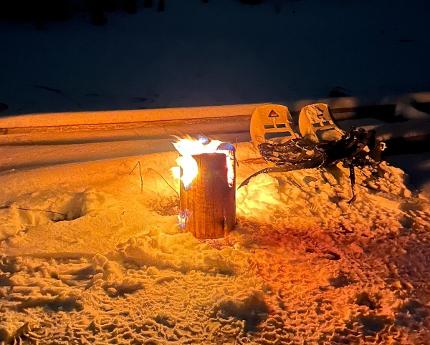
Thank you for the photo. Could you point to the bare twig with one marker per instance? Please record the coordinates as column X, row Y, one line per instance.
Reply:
column 140, row 173
column 294, row 182
column 235, row 147
column 32, row 209
column 151, row 169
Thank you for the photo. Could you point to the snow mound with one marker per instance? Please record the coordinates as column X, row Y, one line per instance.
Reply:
column 181, row 252
column 48, row 206
column 253, row 203
column 250, row 308
column 315, row 198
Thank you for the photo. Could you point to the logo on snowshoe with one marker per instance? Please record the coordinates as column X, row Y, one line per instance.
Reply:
column 273, row 114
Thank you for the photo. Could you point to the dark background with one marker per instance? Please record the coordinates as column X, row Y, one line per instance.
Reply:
column 87, row 55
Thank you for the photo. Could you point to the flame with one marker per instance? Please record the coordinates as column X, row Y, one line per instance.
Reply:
column 188, row 147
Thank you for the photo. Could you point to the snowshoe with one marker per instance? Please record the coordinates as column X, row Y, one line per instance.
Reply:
column 316, row 124
column 271, row 123
column 274, row 137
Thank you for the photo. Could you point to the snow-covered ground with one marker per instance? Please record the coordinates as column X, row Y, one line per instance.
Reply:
column 108, row 264
column 216, row 53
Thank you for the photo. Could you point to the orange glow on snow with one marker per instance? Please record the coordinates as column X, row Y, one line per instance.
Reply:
column 188, row 147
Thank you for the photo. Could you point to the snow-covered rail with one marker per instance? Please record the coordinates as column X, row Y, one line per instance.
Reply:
column 163, row 123
column 72, row 137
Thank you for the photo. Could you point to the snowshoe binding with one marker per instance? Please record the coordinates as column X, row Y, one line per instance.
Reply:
column 316, row 124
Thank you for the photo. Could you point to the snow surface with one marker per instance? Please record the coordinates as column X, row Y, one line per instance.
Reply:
column 109, row 264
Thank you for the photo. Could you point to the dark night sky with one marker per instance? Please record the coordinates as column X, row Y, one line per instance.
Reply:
column 217, row 53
